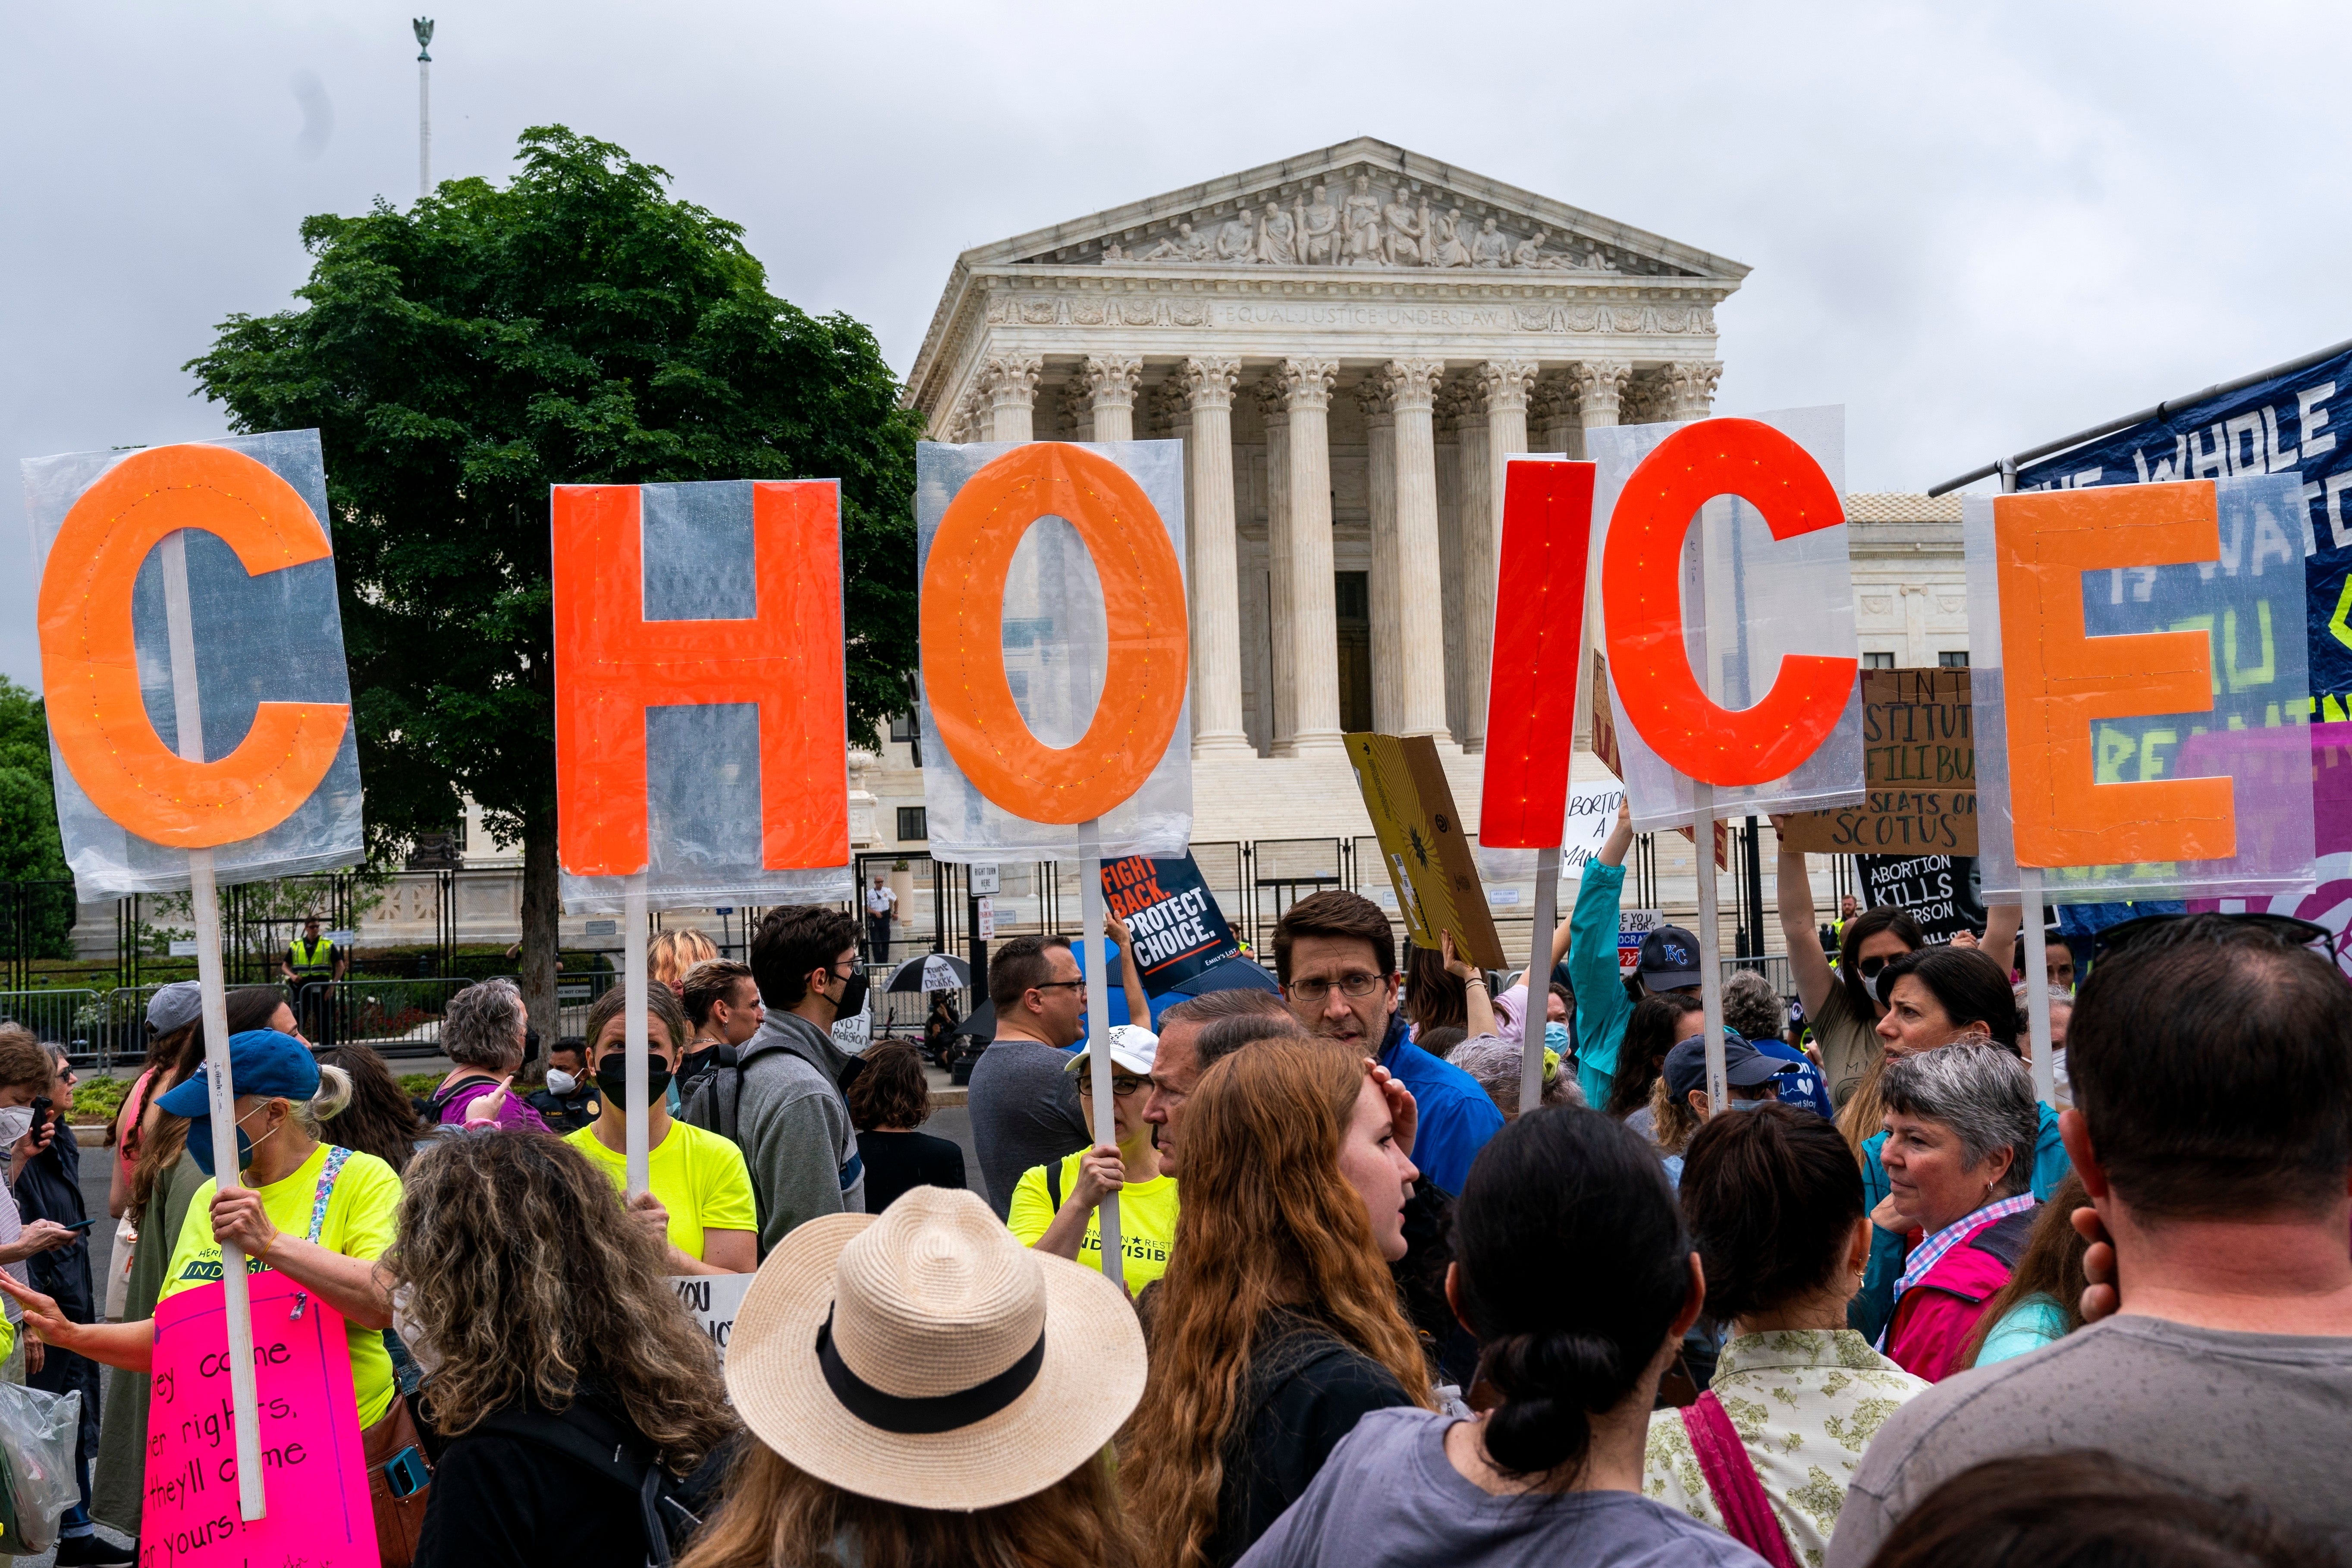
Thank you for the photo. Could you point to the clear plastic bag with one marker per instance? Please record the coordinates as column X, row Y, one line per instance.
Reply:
column 38, row 1430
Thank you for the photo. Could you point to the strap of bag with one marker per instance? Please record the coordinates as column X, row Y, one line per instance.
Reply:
column 337, row 1155
column 1053, row 1184
column 1731, row 1479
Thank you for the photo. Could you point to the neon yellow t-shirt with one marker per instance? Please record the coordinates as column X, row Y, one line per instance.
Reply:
column 362, row 1213
column 1146, row 1221
column 697, row 1175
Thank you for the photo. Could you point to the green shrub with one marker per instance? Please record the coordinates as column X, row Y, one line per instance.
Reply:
column 98, row 1099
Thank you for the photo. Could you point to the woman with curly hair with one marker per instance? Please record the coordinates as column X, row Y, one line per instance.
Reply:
column 1275, row 1329
column 538, row 1306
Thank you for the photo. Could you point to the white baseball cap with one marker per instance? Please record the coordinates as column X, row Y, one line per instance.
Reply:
column 1133, row 1049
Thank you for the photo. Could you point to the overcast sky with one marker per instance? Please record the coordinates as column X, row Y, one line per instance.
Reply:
column 1977, row 227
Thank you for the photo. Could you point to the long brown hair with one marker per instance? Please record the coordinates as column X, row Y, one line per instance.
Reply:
column 1864, row 1115
column 379, row 1120
column 2051, row 1265
column 249, row 1008
column 523, row 1220
column 1267, row 1222
column 777, row 1513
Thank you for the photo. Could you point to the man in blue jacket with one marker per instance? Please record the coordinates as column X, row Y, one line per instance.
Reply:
column 1335, row 958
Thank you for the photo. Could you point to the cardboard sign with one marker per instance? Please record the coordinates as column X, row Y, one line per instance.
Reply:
column 319, row 1515
column 712, row 1301
column 1178, row 928
column 1938, row 891
column 699, row 730
column 1633, row 925
column 1429, row 857
column 1920, row 750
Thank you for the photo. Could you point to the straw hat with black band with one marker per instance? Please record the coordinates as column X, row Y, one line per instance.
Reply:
column 924, row 1357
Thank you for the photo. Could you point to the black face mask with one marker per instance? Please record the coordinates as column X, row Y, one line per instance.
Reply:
column 613, row 1077
column 852, row 1000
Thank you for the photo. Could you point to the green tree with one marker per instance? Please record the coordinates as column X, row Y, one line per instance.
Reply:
column 576, row 326
column 30, row 848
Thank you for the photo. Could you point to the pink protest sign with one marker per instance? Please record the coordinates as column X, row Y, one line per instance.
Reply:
column 316, row 1480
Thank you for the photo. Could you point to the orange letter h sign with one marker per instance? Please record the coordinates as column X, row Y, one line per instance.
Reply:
column 611, row 664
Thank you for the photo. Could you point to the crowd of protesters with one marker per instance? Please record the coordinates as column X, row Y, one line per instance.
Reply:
column 1878, row 1306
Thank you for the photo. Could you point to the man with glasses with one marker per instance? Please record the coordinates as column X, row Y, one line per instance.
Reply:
column 1024, row 1105
column 1336, row 957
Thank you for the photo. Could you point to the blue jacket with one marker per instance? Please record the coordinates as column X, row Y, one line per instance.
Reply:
column 1455, row 1116
column 1870, row 1309
column 1602, row 1007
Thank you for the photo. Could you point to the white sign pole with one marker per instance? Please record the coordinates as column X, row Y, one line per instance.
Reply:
column 634, row 982
column 212, row 987
column 1538, row 1007
column 1098, row 1068
column 1710, row 944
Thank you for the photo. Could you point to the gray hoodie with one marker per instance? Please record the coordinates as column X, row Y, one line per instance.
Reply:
column 783, row 1106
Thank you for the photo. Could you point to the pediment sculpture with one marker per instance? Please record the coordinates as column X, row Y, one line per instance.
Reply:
column 1361, row 229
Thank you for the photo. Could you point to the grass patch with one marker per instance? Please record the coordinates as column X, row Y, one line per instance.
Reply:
column 415, row 1083
column 98, row 1099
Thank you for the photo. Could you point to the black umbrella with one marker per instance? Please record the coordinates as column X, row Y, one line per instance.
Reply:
column 931, row 972
column 1233, row 975
column 981, row 1024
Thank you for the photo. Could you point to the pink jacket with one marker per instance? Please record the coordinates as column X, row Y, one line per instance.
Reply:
column 1933, row 1322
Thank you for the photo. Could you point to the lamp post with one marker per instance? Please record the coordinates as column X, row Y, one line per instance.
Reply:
column 424, row 28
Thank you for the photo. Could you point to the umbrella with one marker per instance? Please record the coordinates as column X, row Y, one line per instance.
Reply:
column 932, row 972
column 1233, row 975
column 981, row 1024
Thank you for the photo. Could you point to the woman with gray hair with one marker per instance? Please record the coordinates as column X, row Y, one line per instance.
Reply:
column 1496, row 1064
column 482, row 1031
column 1960, row 1130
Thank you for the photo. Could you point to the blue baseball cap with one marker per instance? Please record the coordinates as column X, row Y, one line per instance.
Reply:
column 260, row 1061
column 1743, row 1066
column 1669, row 959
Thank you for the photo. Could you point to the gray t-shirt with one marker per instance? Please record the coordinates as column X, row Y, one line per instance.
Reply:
column 2270, row 1415
column 1025, row 1113
column 1389, row 1494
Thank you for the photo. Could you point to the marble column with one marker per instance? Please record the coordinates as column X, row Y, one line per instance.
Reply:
column 1443, row 420
column 1412, row 387
column 1110, row 382
column 1171, row 417
column 1502, row 386
column 1281, row 602
column 1600, row 390
column 1076, row 409
column 1216, row 589
column 1479, row 502
column 1555, row 421
column 1600, row 386
column 1011, row 394
column 1315, row 632
column 1379, row 463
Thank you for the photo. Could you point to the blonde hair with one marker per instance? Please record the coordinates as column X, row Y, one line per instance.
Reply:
column 672, row 952
column 1863, row 1114
column 328, row 1100
column 1672, row 1122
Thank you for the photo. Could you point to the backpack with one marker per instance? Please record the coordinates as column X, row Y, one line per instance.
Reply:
column 718, row 1095
column 671, row 1507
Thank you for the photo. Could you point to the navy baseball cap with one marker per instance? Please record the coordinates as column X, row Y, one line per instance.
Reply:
column 260, row 1061
column 1743, row 1066
column 1669, row 959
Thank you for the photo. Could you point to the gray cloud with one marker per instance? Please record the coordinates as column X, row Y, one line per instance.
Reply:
column 1976, row 227
column 317, row 115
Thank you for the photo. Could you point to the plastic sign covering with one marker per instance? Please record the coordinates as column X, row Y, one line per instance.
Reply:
column 276, row 791
column 700, row 732
column 1055, row 653
column 2140, row 694
column 1728, row 608
column 1539, row 641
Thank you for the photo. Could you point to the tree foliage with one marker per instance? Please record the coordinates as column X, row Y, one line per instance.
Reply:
column 30, row 848
column 577, row 325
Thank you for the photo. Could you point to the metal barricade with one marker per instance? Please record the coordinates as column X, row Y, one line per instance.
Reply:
column 76, row 1020
column 1773, row 967
column 398, row 1017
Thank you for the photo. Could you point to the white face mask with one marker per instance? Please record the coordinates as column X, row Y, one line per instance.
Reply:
column 15, row 1121
column 561, row 1084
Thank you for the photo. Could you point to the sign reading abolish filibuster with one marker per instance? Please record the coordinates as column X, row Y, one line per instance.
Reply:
column 1178, row 930
column 1920, row 751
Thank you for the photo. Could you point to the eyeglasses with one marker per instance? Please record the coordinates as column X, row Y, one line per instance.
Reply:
column 1353, row 986
column 1122, row 1085
column 1051, row 984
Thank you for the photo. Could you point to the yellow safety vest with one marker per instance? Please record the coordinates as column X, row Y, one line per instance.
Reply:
column 320, row 959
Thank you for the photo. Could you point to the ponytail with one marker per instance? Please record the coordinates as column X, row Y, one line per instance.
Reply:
column 1573, row 1266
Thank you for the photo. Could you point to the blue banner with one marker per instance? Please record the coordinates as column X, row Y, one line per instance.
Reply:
column 2288, row 424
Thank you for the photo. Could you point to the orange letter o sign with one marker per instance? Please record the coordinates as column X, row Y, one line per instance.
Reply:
column 963, row 633
column 1640, row 588
column 89, row 663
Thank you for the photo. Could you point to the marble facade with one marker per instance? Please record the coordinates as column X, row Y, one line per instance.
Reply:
column 1349, row 343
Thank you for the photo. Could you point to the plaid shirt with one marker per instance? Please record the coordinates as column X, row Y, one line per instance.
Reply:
column 1930, row 1252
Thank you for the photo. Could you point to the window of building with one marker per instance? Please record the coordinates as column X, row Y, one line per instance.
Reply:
column 913, row 824
column 1878, row 661
column 903, row 727
column 1953, row 661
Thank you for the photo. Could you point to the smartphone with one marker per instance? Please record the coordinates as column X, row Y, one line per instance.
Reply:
column 81, row 1225
column 405, row 1473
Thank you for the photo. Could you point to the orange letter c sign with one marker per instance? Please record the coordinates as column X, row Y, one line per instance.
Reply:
column 963, row 633
column 89, row 662
column 1640, row 589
